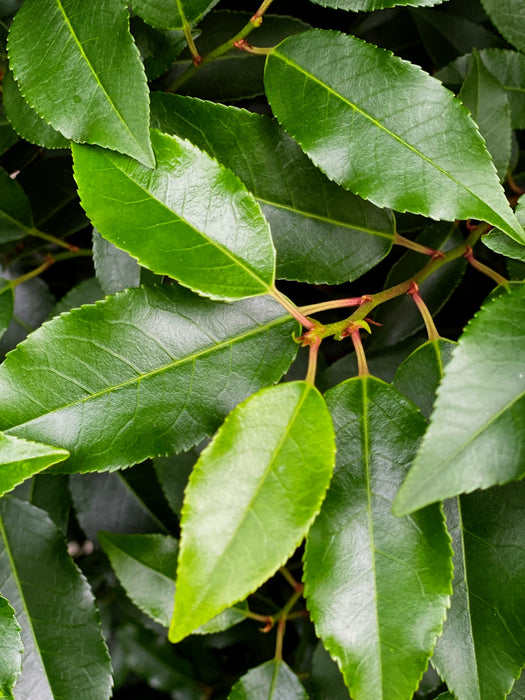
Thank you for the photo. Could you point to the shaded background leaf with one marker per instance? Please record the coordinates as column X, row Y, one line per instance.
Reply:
column 11, row 649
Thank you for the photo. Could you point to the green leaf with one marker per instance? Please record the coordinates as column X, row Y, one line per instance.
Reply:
column 145, row 566
column 326, row 680
column 251, row 498
column 20, row 459
column 501, row 243
column 322, row 233
column 53, row 602
column 370, row 5
column 476, row 416
column 173, row 473
column 190, row 218
column 273, row 680
column 86, row 292
column 88, row 50
column 115, row 269
column 486, row 99
column 49, row 492
column 171, row 15
column 224, row 620
column 8, row 136
column 16, row 218
column 11, row 649
column 508, row 17
column 7, row 301
column 418, row 377
column 141, row 374
column 378, row 137
column 518, row 690
column 158, row 48
column 365, row 568
column 482, row 649
column 25, row 121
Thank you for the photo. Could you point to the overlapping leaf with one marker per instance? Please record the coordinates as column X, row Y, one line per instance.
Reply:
column 501, row 243
column 171, row 15
column 274, row 680
column 11, row 649
column 7, row 302
column 143, row 373
column 190, row 218
column 20, row 459
column 16, row 218
column 365, row 568
column 322, row 233
column 64, row 651
column 251, row 498
column 378, row 135
column 477, row 437
column 115, row 269
column 509, row 18
column 369, row 5
column 68, row 52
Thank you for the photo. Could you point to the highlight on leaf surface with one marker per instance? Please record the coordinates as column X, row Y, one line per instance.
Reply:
column 251, row 498
column 20, row 459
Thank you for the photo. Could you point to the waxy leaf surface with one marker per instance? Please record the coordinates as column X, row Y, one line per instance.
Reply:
column 190, row 218
column 69, row 52
column 65, row 655
column 11, row 649
column 322, row 233
column 273, row 680
column 141, row 374
column 482, row 648
column 250, row 500
column 391, row 117
column 376, row 586
column 508, row 17
column 173, row 14
column 477, row 434
column 20, row 459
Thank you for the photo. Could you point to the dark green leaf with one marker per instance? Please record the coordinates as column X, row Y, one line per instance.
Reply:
column 518, row 690
column 501, row 243
column 25, row 120
column 254, row 491
column 508, row 17
column 190, row 218
column 86, row 292
column 8, row 137
column 158, row 47
column 369, row 5
column 482, row 649
column 356, row 131
column 16, row 219
column 173, row 474
column 323, row 234
column 224, row 620
column 171, row 15
column 115, row 269
column 145, row 566
column 326, row 679
column 141, row 374
column 476, row 437
column 7, row 301
column 50, row 492
column 65, row 655
column 87, row 49
column 486, row 99
column 365, row 568
column 20, row 459
column 420, row 374
column 11, row 649
column 274, row 680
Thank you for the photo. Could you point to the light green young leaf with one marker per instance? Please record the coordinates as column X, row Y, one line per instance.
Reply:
column 508, row 17
column 476, row 437
column 11, row 649
column 20, row 459
column 171, row 15
column 370, row 5
column 379, row 137
column 482, row 649
column 190, row 218
column 499, row 242
column 486, row 99
column 322, row 233
column 251, row 498
column 273, row 680
column 144, row 373
column 115, row 269
column 82, row 54
column 365, row 568
column 7, row 303
column 33, row 560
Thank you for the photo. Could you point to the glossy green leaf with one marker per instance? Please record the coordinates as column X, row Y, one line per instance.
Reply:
column 501, row 243
column 171, row 15
column 69, row 52
column 365, row 568
column 486, row 99
column 25, row 121
column 356, row 131
column 145, row 566
column 251, row 498
column 476, row 437
column 55, row 607
column 20, row 459
column 141, row 374
column 16, row 218
column 482, row 649
column 11, row 649
column 115, row 269
column 274, row 680
column 418, row 377
column 86, row 292
column 508, row 17
column 322, row 233
column 190, row 218
column 370, row 5
column 7, row 302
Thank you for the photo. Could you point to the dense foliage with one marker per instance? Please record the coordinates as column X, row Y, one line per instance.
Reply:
column 262, row 417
